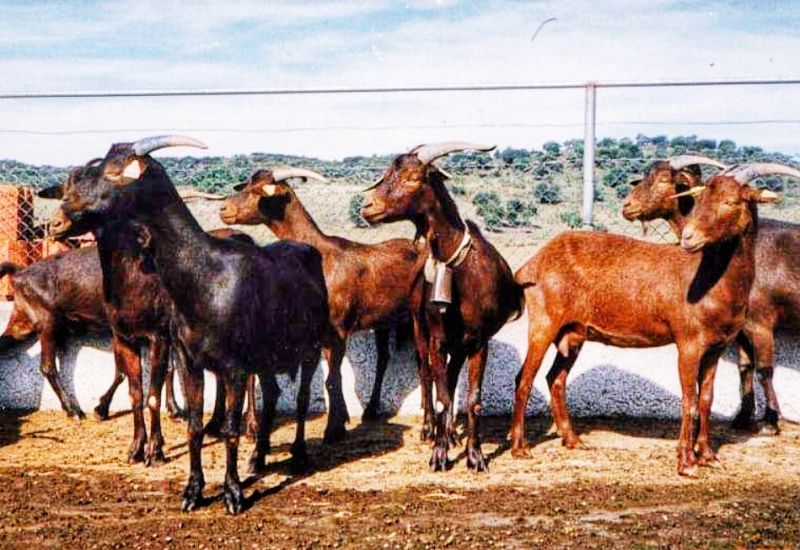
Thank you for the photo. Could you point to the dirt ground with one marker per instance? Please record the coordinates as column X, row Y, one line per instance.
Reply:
column 65, row 484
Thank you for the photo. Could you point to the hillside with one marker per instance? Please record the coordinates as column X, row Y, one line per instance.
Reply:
column 522, row 197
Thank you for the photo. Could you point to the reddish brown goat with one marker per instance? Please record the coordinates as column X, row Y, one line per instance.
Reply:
column 369, row 285
column 484, row 294
column 774, row 298
column 630, row 293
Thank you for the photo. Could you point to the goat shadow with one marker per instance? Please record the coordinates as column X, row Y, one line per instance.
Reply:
column 609, row 398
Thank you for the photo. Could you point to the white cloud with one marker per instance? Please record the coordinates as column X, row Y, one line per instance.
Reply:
column 450, row 43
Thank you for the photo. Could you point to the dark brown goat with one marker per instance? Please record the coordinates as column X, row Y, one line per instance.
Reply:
column 237, row 309
column 369, row 285
column 138, row 309
column 630, row 293
column 484, row 294
column 774, row 298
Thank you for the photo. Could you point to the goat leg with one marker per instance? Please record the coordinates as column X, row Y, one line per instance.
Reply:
column 382, row 345
column 214, row 426
column 270, row 391
column 175, row 412
column 192, row 382
column 337, row 415
column 745, row 418
column 540, row 335
column 557, row 382
column 47, row 339
column 688, row 370
column 127, row 358
column 300, row 462
column 427, row 432
column 476, row 367
column 101, row 410
column 251, row 416
column 708, row 369
column 158, row 353
column 764, row 344
column 235, row 382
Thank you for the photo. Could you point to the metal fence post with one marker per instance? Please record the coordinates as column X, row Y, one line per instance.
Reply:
column 588, row 155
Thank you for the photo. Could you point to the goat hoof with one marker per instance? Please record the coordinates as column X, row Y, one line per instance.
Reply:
column 214, row 429
column 176, row 413
column 334, row 435
column 234, row 499
column 154, row 456
column 101, row 412
column 744, row 422
column 575, row 442
column 192, row 495
column 476, row 462
column 427, row 433
column 438, row 462
column 256, row 464
column 688, row 471
column 370, row 414
column 251, row 430
column 710, row 460
column 76, row 414
column 300, row 464
column 520, row 453
column 136, row 454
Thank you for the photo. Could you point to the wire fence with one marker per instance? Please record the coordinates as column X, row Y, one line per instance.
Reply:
column 520, row 197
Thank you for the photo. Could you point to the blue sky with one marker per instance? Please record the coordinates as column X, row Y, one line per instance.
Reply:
column 147, row 45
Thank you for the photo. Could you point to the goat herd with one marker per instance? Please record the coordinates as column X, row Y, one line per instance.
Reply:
column 216, row 301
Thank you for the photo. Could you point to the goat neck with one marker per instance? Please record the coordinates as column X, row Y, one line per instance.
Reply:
column 439, row 220
column 296, row 224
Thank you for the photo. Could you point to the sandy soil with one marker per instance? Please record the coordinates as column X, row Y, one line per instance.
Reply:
column 66, row 484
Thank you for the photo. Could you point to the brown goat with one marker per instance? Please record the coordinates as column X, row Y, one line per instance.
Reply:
column 484, row 294
column 774, row 298
column 369, row 285
column 630, row 293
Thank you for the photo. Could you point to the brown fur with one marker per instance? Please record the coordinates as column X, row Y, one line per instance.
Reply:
column 369, row 285
column 485, row 295
column 630, row 293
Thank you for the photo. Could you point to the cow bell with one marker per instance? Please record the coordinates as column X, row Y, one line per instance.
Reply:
column 442, row 285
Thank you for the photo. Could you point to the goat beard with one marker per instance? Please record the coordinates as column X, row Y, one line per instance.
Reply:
column 644, row 228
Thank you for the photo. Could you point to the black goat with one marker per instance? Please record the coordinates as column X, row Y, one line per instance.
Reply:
column 237, row 308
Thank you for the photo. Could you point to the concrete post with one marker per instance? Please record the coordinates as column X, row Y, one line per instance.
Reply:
column 588, row 155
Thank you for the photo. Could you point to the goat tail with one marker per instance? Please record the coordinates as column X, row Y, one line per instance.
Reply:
column 8, row 268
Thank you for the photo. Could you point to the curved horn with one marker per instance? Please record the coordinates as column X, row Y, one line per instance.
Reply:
column 432, row 151
column 682, row 161
column 148, row 145
column 286, row 172
column 746, row 172
column 195, row 194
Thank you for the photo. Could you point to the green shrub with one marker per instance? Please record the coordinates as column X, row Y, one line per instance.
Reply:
column 547, row 192
column 572, row 218
column 520, row 213
column 354, row 211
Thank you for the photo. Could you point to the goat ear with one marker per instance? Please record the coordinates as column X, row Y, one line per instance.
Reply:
column 133, row 170
column 766, row 196
column 53, row 192
column 687, row 178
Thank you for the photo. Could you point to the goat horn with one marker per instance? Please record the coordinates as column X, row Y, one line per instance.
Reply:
column 746, row 172
column 148, row 145
column 691, row 192
column 287, row 172
column 682, row 161
column 374, row 184
column 431, row 152
column 194, row 194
